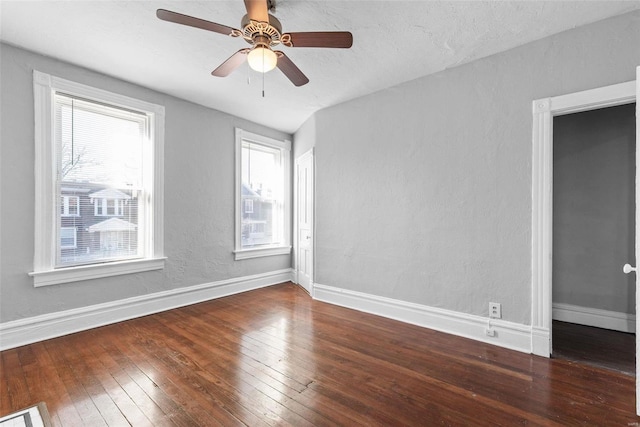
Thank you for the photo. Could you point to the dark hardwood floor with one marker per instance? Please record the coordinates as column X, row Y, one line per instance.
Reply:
column 595, row 346
column 276, row 357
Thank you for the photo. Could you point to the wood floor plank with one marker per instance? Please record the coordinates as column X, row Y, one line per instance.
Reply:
column 153, row 401
column 245, row 396
column 94, row 363
column 5, row 402
column 274, row 356
column 206, row 408
column 84, row 370
column 596, row 346
column 51, row 389
column 18, row 391
column 251, row 355
column 256, row 371
column 41, row 382
column 352, row 380
column 81, row 399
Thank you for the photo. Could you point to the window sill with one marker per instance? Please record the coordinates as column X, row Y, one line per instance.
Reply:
column 261, row 252
column 95, row 271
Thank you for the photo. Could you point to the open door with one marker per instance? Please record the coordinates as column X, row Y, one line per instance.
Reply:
column 637, row 239
column 628, row 268
column 304, row 220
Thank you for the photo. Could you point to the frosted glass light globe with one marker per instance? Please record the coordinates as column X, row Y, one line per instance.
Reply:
column 262, row 59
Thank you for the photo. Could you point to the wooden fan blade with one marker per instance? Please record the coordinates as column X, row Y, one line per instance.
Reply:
column 257, row 10
column 290, row 70
column 234, row 61
column 178, row 18
column 339, row 39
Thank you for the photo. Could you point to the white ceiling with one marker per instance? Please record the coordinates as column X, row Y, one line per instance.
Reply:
column 394, row 41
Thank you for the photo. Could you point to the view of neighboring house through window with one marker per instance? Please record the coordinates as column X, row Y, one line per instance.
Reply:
column 99, row 182
column 263, row 221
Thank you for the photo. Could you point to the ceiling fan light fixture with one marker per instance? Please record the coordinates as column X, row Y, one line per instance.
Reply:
column 262, row 31
column 262, row 59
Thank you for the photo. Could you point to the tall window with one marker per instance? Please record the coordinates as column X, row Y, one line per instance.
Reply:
column 102, row 150
column 262, row 196
column 97, row 157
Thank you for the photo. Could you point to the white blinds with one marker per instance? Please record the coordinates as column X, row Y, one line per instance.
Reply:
column 100, row 180
column 262, row 195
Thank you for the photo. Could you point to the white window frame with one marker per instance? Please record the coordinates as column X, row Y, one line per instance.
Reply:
column 65, row 206
column 75, row 238
column 46, row 234
column 283, row 248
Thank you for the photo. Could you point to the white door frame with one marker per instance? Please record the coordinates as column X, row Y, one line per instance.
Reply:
column 311, row 153
column 542, row 196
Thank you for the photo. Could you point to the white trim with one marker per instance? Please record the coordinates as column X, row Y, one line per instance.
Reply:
column 33, row 329
column 45, row 245
column 260, row 252
column 509, row 335
column 263, row 140
column 46, row 235
column 540, row 341
column 592, row 99
column 95, row 271
column 542, row 196
column 92, row 93
column 623, row 322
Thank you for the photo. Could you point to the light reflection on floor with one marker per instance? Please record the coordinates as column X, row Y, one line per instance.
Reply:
column 267, row 368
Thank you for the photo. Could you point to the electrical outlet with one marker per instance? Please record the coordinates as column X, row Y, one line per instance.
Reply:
column 495, row 310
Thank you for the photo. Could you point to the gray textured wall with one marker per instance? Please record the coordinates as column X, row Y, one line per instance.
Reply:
column 305, row 138
column 423, row 190
column 594, row 208
column 199, row 199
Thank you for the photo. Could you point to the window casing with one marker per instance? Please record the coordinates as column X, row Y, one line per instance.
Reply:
column 99, row 159
column 263, row 196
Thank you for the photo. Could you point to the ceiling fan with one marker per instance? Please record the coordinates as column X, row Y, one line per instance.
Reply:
column 263, row 31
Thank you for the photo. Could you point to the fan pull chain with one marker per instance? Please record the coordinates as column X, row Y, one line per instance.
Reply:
column 263, row 73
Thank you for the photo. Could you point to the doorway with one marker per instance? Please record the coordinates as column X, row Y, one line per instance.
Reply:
column 593, row 235
column 544, row 111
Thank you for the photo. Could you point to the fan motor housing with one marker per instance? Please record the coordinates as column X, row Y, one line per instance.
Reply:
column 255, row 32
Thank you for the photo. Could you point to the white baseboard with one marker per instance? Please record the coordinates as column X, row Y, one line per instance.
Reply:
column 510, row 335
column 540, row 341
column 33, row 329
column 606, row 319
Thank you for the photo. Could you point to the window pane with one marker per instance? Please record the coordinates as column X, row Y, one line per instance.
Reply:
column 100, row 170
column 262, row 191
